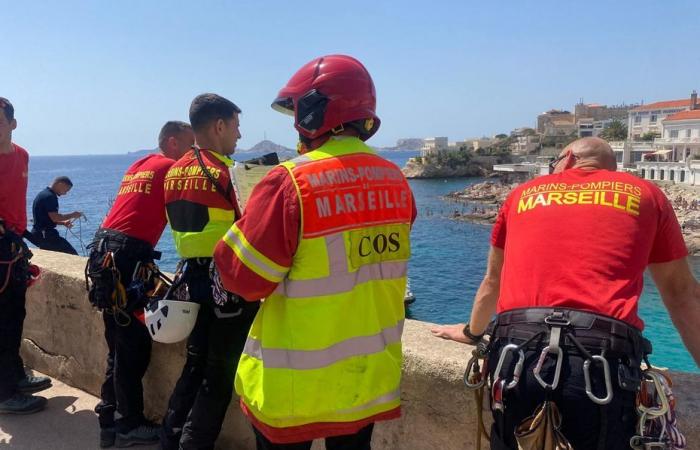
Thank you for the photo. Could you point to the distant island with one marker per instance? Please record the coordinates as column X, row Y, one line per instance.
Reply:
column 262, row 147
column 284, row 153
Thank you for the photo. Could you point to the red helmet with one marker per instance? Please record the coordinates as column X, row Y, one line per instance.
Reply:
column 328, row 92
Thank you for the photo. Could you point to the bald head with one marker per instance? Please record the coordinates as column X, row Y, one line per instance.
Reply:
column 591, row 153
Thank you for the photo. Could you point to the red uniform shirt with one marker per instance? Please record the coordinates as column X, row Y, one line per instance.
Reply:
column 190, row 184
column 139, row 209
column 582, row 239
column 14, row 170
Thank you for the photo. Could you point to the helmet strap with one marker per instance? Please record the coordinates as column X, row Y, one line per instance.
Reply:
column 306, row 144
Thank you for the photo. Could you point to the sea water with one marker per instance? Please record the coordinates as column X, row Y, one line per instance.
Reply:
column 446, row 268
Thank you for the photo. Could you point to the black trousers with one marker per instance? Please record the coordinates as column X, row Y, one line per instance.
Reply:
column 12, row 313
column 52, row 240
column 127, row 362
column 359, row 441
column 585, row 424
column 198, row 404
column 128, row 356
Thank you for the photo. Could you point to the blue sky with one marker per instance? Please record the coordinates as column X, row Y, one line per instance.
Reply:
column 102, row 77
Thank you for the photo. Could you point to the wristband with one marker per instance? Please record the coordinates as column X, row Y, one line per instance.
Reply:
column 473, row 337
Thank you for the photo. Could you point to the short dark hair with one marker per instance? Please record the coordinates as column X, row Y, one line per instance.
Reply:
column 7, row 109
column 207, row 108
column 170, row 129
column 64, row 180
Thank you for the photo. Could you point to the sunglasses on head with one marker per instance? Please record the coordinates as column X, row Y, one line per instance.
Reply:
column 553, row 163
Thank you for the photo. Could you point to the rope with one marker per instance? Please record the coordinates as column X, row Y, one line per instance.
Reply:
column 480, row 427
column 78, row 236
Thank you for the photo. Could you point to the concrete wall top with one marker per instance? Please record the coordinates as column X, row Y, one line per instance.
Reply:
column 63, row 337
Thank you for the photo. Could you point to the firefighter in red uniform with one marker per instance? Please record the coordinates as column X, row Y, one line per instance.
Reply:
column 15, row 385
column 325, row 240
column 565, row 272
column 201, row 205
column 126, row 239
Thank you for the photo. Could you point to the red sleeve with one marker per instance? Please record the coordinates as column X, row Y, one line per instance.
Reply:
column 668, row 243
column 414, row 212
column 498, row 234
column 271, row 224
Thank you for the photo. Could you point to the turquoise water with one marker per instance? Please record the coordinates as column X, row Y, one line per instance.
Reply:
column 448, row 259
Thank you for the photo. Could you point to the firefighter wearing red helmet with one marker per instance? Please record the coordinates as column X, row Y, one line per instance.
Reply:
column 325, row 241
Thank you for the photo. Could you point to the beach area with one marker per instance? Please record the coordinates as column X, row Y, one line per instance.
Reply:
column 482, row 201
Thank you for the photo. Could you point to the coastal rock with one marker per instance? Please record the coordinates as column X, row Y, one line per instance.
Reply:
column 686, row 204
column 416, row 169
column 486, row 192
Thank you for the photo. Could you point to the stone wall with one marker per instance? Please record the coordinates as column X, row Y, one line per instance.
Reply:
column 63, row 338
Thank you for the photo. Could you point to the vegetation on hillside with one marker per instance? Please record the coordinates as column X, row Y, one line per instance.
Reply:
column 616, row 131
column 649, row 136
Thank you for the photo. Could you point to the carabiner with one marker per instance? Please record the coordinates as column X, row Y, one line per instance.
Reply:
column 647, row 443
column 606, row 373
column 518, row 366
column 473, row 368
column 497, row 394
column 660, row 393
column 557, row 370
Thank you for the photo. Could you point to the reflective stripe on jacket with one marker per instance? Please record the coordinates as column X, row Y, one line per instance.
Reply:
column 325, row 346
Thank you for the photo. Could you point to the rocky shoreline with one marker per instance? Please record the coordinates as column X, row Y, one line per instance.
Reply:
column 416, row 169
column 486, row 198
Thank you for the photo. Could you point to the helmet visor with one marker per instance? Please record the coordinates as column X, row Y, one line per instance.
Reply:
column 285, row 105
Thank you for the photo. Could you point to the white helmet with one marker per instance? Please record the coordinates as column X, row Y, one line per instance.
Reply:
column 170, row 321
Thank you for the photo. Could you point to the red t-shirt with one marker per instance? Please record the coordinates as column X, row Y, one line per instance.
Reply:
column 14, row 171
column 582, row 239
column 139, row 209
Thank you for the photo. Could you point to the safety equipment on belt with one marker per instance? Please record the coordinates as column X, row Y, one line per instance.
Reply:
column 475, row 379
column 14, row 260
column 556, row 331
column 34, row 274
column 107, row 290
column 541, row 430
column 656, row 406
column 327, row 94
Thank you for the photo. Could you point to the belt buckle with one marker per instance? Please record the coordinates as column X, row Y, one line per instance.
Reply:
column 557, row 319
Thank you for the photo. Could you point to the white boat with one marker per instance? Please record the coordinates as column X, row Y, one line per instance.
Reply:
column 408, row 296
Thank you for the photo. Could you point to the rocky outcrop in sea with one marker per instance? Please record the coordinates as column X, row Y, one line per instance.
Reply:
column 416, row 169
column 686, row 204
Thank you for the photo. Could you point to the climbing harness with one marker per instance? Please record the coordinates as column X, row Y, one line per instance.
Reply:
column 658, row 426
column 14, row 260
column 597, row 339
column 107, row 291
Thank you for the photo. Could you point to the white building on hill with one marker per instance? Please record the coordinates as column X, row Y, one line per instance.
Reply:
column 433, row 145
column 647, row 118
column 676, row 155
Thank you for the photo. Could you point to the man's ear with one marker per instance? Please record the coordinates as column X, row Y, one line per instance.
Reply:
column 13, row 124
column 570, row 160
column 220, row 126
column 172, row 143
